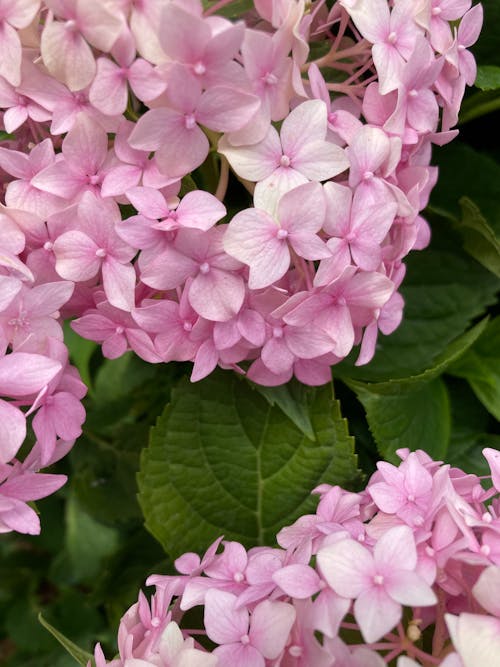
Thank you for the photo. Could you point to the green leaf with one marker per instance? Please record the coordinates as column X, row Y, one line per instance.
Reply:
column 418, row 419
column 5, row 136
column 452, row 352
column 292, row 399
column 233, row 10
column 88, row 542
column 80, row 656
column 480, row 366
column 488, row 77
column 414, row 412
column 479, row 238
column 221, row 460
column 444, row 290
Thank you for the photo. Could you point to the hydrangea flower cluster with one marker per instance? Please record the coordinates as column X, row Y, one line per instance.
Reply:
column 110, row 105
column 408, row 570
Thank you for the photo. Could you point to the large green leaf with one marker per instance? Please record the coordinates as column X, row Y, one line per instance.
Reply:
column 480, row 366
column 414, row 412
column 221, row 460
column 417, row 419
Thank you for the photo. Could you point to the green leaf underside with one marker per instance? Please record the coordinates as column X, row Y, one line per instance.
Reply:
column 291, row 398
column 80, row 656
column 480, row 366
column 221, row 460
column 418, row 419
column 479, row 238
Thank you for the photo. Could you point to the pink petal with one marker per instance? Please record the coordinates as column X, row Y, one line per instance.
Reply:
column 346, row 566
column 200, row 210
column 238, row 655
column 254, row 162
column 306, row 124
column 32, row 486
column 86, row 145
column 9, row 289
column 277, row 357
column 302, row 209
column 23, row 374
column 269, row 191
column 120, row 179
column 375, row 613
column 108, row 92
column 217, row 295
column 76, row 256
column 225, row 109
column 119, row 283
column 14, row 117
column 145, row 81
column 396, row 549
column 67, row 55
column 12, row 432
column 297, row 581
column 183, row 36
column 224, row 624
column 270, row 626
column 408, row 588
column 10, row 54
column 21, row 518
column 149, row 202
column 251, row 238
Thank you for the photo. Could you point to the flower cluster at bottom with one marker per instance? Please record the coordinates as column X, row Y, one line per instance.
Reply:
column 406, row 572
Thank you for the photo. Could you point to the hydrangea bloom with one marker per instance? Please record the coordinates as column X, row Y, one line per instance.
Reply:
column 124, row 112
column 360, row 567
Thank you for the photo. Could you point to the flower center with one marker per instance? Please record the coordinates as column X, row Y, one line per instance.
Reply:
column 378, row 580
column 189, row 121
column 245, row 639
column 295, row 651
column 281, row 234
column 199, row 68
column 285, row 161
column 269, row 78
column 100, row 252
column 204, row 268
